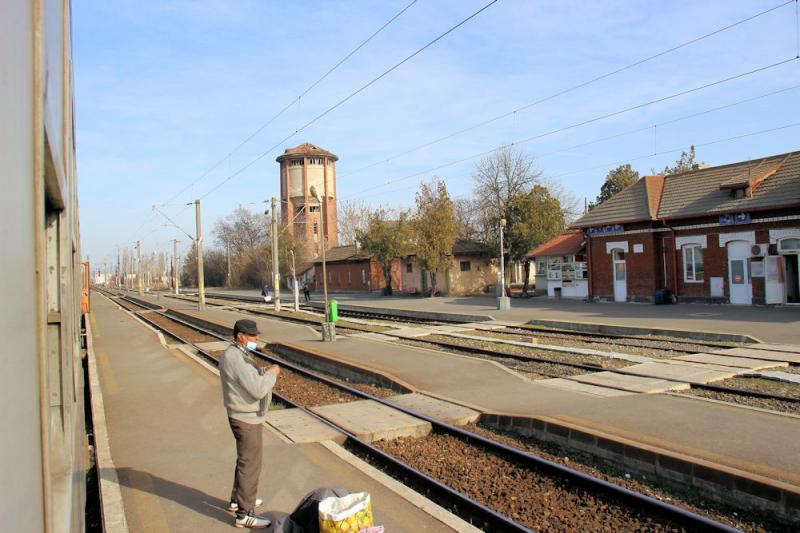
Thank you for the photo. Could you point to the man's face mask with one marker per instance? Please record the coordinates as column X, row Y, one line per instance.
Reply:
column 251, row 346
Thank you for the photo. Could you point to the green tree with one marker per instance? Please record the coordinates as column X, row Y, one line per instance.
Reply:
column 385, row 240
column 532, row 219
column 616, row 180
column 435, row 229
column 685, row 163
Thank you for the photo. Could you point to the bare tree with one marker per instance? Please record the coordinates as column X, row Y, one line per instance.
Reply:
column 467, row 213
column 502, row 176
column 570, row 204
column 243, row 229
column 353, row 217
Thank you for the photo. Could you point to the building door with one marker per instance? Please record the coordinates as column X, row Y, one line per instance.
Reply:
column 740, row 286
column 792, row 279
column 620, row 275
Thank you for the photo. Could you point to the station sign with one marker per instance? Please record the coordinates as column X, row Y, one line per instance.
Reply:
column 737, row 219
column 606, row 230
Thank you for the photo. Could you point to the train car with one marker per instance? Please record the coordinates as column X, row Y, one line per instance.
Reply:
column 43, row 457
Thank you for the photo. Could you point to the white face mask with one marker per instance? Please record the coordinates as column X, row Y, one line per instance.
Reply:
column 251, row 346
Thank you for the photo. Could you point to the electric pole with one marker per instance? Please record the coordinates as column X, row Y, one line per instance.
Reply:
column 201, row 288
column 295, row 288
column 228, row 259
column 139, row 268
column 176, row 278
column 276, row 277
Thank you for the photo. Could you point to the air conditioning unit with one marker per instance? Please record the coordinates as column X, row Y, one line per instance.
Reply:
column 759, row 250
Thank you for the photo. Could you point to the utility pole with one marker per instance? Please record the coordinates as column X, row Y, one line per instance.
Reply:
column 118, row 272
column 201, row 287
column 276, row 277
column 139, row 267
column 295, row 288
column 503, row 302
column 228, row 257
column 175, row 275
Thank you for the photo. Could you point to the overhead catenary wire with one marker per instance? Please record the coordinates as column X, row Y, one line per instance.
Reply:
column 293, row 102
column 577, row 125
column 562, row 92
column 649, row 155
column 349, row 97
column 342, row 101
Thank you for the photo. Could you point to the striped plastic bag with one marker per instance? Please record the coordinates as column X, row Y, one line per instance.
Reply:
column 348, row 514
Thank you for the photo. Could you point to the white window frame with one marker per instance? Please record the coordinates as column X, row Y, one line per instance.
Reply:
column 693, row 247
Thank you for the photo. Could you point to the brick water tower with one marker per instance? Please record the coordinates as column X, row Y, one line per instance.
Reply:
column 302, row 167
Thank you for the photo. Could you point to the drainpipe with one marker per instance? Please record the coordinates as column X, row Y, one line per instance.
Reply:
column 674, row 259
column 589, row 263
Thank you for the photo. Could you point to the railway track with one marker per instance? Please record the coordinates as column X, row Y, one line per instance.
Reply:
column 732, row 395
column 785, row 403
column 524, row 485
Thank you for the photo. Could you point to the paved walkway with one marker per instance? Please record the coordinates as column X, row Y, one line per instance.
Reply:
column 754, row 441
column 772, row 324
column 174, row 452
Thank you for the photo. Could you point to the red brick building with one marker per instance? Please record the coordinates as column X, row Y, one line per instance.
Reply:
column 350, row 269
column 720, row 234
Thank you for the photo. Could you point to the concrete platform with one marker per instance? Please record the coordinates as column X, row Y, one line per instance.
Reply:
column 770, row 355
column 439, row 409
column 750, row 440
column 372, row 421
column 300, row 427
column 686, row 371
column 630, row 383
column 729, row 361
column 779, row 347
column 174, row 452
column 583, row 388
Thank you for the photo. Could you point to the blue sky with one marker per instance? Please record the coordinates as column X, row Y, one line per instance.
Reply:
column 166, row 89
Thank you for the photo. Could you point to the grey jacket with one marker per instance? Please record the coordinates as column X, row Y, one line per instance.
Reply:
column 246, row 387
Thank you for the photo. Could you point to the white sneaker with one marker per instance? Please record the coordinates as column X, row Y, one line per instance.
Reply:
column 251, row 521
column 234, row 506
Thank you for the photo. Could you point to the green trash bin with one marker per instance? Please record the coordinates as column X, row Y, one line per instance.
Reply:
column 333, row 310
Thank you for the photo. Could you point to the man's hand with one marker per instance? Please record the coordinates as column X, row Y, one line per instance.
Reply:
column 275, row 369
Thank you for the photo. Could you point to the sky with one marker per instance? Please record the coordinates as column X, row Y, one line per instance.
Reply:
column 166, row 92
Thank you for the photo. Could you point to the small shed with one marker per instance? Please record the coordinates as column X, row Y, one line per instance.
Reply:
column 561, row 266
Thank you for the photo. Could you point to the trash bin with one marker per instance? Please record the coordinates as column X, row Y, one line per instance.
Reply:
column 333, row 310
column 663, row 296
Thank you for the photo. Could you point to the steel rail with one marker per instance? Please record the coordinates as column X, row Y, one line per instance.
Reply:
column 531, row 461
column 594, row 368
column 666, row 338
column 463, row 505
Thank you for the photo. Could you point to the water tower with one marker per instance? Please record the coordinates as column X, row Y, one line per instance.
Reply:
column 302, row 167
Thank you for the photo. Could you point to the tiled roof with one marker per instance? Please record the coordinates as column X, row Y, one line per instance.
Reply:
column 467, row 247
column 569, row 243
column 638, row 201
column 306, row 149
column 769, row 182
column 774, row 182
column 348, row 252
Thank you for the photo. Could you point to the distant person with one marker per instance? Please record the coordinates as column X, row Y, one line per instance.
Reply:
column 306, row 293
column 247, row 392
column 265, row 294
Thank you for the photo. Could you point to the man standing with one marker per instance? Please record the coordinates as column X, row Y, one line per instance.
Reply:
column 247, row 392
column 306, row 293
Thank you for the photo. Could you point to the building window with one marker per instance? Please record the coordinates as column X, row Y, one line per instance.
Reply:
column 363, row 277
column 693, row 263
column 295, row 162
column 315, row 161
column 313, row 208
column 300, row 209
column 465, row 266
column 316, row 228
column 409, row 268
column 786, row 245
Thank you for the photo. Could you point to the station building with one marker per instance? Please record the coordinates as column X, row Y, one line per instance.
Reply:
column 472, row 271
column 729, row 233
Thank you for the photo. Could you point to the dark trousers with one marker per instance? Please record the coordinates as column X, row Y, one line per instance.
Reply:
column 307, row 296
column 248, row 463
